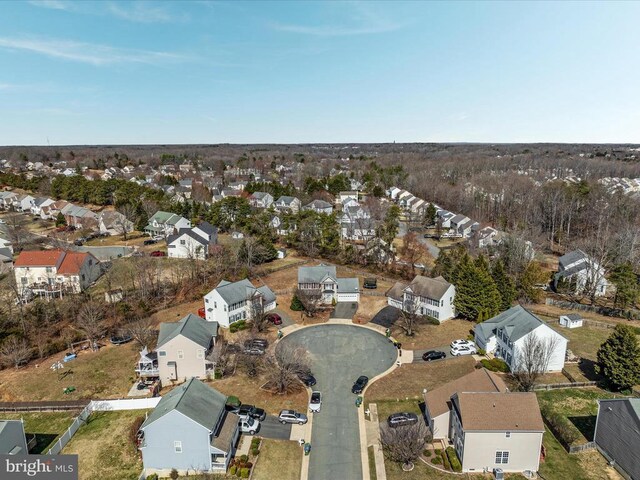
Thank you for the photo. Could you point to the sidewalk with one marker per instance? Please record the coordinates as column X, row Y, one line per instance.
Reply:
column 373, row 438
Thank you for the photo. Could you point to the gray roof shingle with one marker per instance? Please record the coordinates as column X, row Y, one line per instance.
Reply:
column 192, row 327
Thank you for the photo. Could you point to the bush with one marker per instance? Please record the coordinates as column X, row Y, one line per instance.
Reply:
column 232, row 470
column 255, row 451
column 133, row 430
column 482, row 352
column 238, row 326
column 453, row 459
column 495, row 365
column 296, row 304
column 153, row 476
column 445, row 460
column 233, row 401
column 427, row 453
column 255, row 442
column 174, row 474
column 436, row 460
column 244, row 458
column 244, row 473
column 560, row 426
column 438, row 452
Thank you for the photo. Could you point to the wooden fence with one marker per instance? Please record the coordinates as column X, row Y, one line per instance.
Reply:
column 582, row 448
column 632, row 314
column 558, row 386
column 46, row 406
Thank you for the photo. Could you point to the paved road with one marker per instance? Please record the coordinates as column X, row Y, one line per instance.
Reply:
column 433, row 250
column 272, row 428
column 339, row 355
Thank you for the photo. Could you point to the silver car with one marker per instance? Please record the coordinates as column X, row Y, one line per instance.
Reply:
column 316, row 402
column 291, row 416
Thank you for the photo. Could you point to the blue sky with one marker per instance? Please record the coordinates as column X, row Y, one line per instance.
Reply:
column 287, row 72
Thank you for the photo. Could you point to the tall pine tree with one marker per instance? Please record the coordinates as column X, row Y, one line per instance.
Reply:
column 477, row 297
column 619, row 358
column 506, row 286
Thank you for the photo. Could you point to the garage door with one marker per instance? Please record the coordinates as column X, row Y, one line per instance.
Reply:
column 348, row 297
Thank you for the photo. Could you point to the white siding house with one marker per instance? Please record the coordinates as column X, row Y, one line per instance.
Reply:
column 232, row 302
column 581, row 272
column 323, row 279
column 192, row 243
column 433, row 297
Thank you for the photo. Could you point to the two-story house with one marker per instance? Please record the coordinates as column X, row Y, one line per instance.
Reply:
column 261, row 200
column 193, row 243
column 79, row 217
column 230, row 302
column 287, row 204
column 38, row 203
column 492, row 430
column 184, row 348
column 514, row 333
column 582, row 273
column 433, row 297
column 7, row 199
column 319, row 206
column 323, row 279
column 114, row 223
column 189, row 430
column 356, row 223
column 617, row 434
column 163, row 224
column 342, row 197
column 55, row 272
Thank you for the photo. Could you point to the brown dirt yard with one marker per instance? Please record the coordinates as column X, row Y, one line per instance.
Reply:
column 431, row 336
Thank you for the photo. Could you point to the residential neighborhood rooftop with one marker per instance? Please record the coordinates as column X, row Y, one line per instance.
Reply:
column 192, row 327
column 502, row 411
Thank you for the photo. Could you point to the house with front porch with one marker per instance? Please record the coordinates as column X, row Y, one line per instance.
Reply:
column 323, row 278
column 319, row 206
column 163, row 224
column 514, row 332
column 189, row 430
column 261, row 200
column 184, row 349
column 231, row 302
column 432, row 297
column 287, row 204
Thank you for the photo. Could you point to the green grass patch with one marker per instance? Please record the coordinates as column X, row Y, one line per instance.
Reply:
column 372, row 463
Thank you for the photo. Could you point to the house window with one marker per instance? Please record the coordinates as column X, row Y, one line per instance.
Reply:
column 502, row 458
column 23, row 280
column 508, row 434
column 180, row 354
column 177, row 446
column 215, row 304
column 182, row 242
column 49, row 269
column 200, row 353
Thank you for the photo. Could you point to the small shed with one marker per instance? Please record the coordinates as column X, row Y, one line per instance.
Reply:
column 282, row 253
column 571, row 320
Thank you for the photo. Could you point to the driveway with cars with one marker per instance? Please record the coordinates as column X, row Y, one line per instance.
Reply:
column 339, row 354
column 417, row 354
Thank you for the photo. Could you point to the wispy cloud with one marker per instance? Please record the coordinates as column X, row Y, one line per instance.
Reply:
column 90, row 53
column 52, row 4
column 362, row 20
column 144, row 12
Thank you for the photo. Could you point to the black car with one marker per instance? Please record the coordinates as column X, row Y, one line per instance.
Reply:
column 361, row 382
column 120, row 339
column 150, row 241
column 308, row 379
column 401, row 419
column 370, row 283
column 250, row 411
column 433, row 355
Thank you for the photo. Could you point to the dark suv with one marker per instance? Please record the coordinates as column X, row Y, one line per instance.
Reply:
column 401, row 419
column 361, row 382
column 250, row 411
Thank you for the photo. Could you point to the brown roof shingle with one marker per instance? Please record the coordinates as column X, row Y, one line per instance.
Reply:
column 396, row 292
column 501, row 411
column 228, row 430
column 481, row 380
column 427, row 287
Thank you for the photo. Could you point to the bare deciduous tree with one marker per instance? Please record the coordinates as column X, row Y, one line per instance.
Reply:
column 409, row 315
column 142, row 331
column 532, row 360
column 311, row 299
column 285, row 367
column 221, row 356
column 124, row 221
column 405, row 443
column 14, row 351
column 259, row 318
column 90, row 322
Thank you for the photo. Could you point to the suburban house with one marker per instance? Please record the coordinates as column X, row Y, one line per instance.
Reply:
column 7, row 199
column 492, row 430
column 433, row 297
column 319, row 206
column 22, row 203
column 261, row 200
column 189, row 430
column 55, row 272
column 51, row 211
column 356, row 223
column 617, row 434
column 13, row 440
column 286, row 204
column 488, row 237
column 193, row 243
column 508, row 334
column 438, row 401
column 79, row 217
column 114, row 223
column 445, row 218
column 163, row 224
column 182, row 351
column 231, row 302
column 6, row 259
column 343, row 196
column 581, row 272
column 38, row 203
column 323, row 279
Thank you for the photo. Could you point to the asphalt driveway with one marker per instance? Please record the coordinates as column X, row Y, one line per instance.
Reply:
column 339, row 355
column 344, row 310
column 271, row 427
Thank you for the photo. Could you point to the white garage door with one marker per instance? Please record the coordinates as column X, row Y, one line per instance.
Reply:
column 348, row 297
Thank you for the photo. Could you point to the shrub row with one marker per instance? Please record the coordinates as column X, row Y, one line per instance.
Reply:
column 238, row 326
column 560, row 426
column 495, row 365
column 454, row 461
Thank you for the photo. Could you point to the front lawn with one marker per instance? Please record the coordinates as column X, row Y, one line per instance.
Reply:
column 107, row 373
column 46, row 426
column 104, row 447
column 279, row 459
column 433, row 336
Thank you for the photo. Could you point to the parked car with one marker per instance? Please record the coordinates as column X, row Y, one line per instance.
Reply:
column 250, row 411
column 291, row 416
column 433, row 355
column 149, row 241
column 458, row 343
column 316, row 402
column 401, row 419
column 257, row 346
column 464, row 350
column 157, row 238
column 158, row 253
column 274, row 318
column 80, row 241
column 370, row 283
column 120, row 339
column 361, row 382
column 308, row 379
column 419, row 266
column 249, row 425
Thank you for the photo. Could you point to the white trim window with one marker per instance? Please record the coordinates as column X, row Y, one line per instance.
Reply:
column 200, row 353
column 180, row 354
column 177, row 446
column 502, row 457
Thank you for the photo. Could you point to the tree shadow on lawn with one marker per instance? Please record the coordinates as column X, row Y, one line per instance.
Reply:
column 586, row 424
column 43, row 442
column 587, row 368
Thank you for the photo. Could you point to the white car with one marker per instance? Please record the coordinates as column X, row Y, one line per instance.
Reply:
column 249, row 425
column 316, row 402
column 460, row 343
column 464, row 350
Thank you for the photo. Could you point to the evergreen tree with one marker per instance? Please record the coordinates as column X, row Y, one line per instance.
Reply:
column 477, row 297
column 532, row 276
column 60, row 220
column 505, row 285
column 626, row 282
column 430, row 215
column 443, row 267
column 619, row 358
